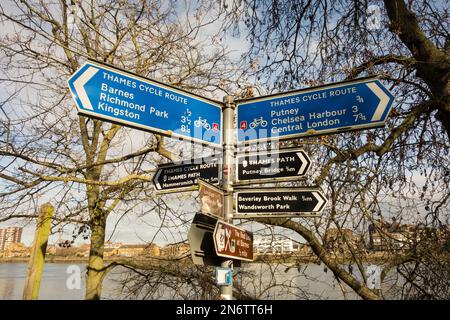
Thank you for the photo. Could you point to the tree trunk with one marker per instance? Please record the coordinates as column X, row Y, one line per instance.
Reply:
column 433, row 63
column 98, row 216
column 95, row 269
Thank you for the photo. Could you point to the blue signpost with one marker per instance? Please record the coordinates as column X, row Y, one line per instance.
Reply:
column 115, row 95
column 344, row 106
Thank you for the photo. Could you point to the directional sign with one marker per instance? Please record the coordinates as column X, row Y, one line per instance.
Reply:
column 272, row 165
column 115, row 95
column 344, row 106
column 185, row 176
column 233, row 242
column 211, row 199
column 201, row 241
column 280, row 202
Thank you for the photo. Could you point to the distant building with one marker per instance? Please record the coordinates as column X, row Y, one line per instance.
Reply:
column 394, row 236
column 341, row 240
column 129, row 250
column 132, row 250
column 16, row 250
column 110, row 250
column 175, row 250
column 113, row 245
column 84, row 250
column 9, row 236
column 153, row 250
column 51, row 249
column 67, row 252
column 274, row 245
column 85, row 247
column 305, row 250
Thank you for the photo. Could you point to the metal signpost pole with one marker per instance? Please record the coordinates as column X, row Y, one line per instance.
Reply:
column 226, row 292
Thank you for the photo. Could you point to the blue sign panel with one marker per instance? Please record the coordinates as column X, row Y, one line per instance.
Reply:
column 344, row 106
column 118, row 96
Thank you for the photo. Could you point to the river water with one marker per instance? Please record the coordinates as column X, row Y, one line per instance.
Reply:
column 65, row 281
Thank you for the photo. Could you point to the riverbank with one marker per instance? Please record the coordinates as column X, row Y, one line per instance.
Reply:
column 378, row 257
column 47, row 259
column 373, row 257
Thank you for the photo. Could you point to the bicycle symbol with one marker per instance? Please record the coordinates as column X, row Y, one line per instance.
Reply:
column 202, row 123
column 258, row 122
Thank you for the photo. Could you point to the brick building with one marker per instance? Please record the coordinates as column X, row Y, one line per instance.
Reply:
column 132, row 250
column 9, row 236
column 16, row 250
column 175, row 250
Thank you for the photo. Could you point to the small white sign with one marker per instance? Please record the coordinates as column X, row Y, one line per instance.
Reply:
column 223, row 276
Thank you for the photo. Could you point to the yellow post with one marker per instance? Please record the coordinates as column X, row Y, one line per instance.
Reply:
column 37, row 257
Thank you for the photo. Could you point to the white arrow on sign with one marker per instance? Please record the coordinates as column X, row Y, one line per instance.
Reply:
column 155, row 179
column 321, row 201
column 304, row 161
column 384, row 100
column 79, row 87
